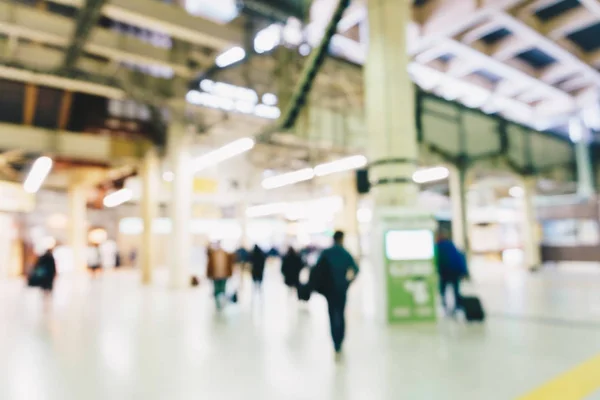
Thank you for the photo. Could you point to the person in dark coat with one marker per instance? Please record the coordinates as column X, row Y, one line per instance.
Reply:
column 258, row 259
column 46, row 270
column 451, row 266
column 332, row 276
column 291, row 266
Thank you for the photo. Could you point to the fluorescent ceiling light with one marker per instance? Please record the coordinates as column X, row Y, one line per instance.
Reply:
column 168, row 176
column 207, row 85
column 344, row 164
column 231, row 56
column 267, row 39
column 269, row 99
column 364, row 215
column 431, row 175
column 321, row 208
column 221, row 11
column 224, row 153
column 39, row 171
column 575, row 130
column 304, row 49
column 117, row 198
column 289, row 178
column 269, row 112
column 516, row 192
column 266, row 210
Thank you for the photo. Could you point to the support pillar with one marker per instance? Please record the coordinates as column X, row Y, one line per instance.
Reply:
column 390, row 107
column 180, row 141
column 579, row 133
column 346, row 220
column 78, row 229
column 391, row 129
column 530, row 228
column 243, row 220
column 458, row 198
column 149, row 205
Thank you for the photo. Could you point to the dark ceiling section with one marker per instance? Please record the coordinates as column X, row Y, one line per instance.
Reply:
column 495, row 36
column 48, row 107
column 588, row 39
column 11, row 101
column 489, row 76
column 88, row 111
column 548, row 13
column 446, row 58
column 64, row 10
column 275, row 10
column 536, row 58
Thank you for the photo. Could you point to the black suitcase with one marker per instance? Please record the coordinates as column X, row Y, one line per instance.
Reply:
column 473, row 310
column 304, row 292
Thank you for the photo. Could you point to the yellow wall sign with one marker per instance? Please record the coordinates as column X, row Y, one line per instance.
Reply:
column 13, row 198
column 204, row 185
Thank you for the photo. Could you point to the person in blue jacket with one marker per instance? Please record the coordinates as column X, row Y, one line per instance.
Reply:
column 336, row 271
column 451, row 266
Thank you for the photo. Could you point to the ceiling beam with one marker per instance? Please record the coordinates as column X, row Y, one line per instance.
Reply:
column 170, row 19
column 58, row 82
column 532, row 28
column 72, row 145
column 87, row 18
column 44, row 27
column 504, row 70
column 64, row 113
column 592, row 5
column 30, row 103
column 569, row 22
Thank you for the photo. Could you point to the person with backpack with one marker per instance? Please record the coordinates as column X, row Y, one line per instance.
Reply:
column 291, row 265
column 332, row 276
column 219, row 269
column 258, row 259
column 452, row 267
column 44, row 273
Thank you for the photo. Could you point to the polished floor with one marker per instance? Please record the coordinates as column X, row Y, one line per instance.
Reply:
column 108, row 338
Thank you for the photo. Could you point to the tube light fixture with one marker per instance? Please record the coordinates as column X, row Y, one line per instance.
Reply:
column 168, row 176
column 431, row 175
column 39, row 171
column 265, row 210
column 320, row 208
column 117, row 198
column 226, row 152
column 289, row 178
column 344, row 164
column 516, row 192
column 230, row 56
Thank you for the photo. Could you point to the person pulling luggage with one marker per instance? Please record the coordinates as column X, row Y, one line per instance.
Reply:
column 452, row 267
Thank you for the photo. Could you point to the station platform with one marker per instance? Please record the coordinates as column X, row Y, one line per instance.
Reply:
column 110, row 338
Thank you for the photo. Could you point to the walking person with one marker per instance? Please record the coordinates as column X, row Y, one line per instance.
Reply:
column 219, row 269
column 291, row 266
column 258, row 259
column 44, row 273
column 452, row 267
column 94, row 259
column 336, row 270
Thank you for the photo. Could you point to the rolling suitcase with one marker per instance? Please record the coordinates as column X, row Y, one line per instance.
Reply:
column 473, row 309
column 304, row 291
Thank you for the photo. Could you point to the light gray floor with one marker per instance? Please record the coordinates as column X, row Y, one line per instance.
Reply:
column 110, row 339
